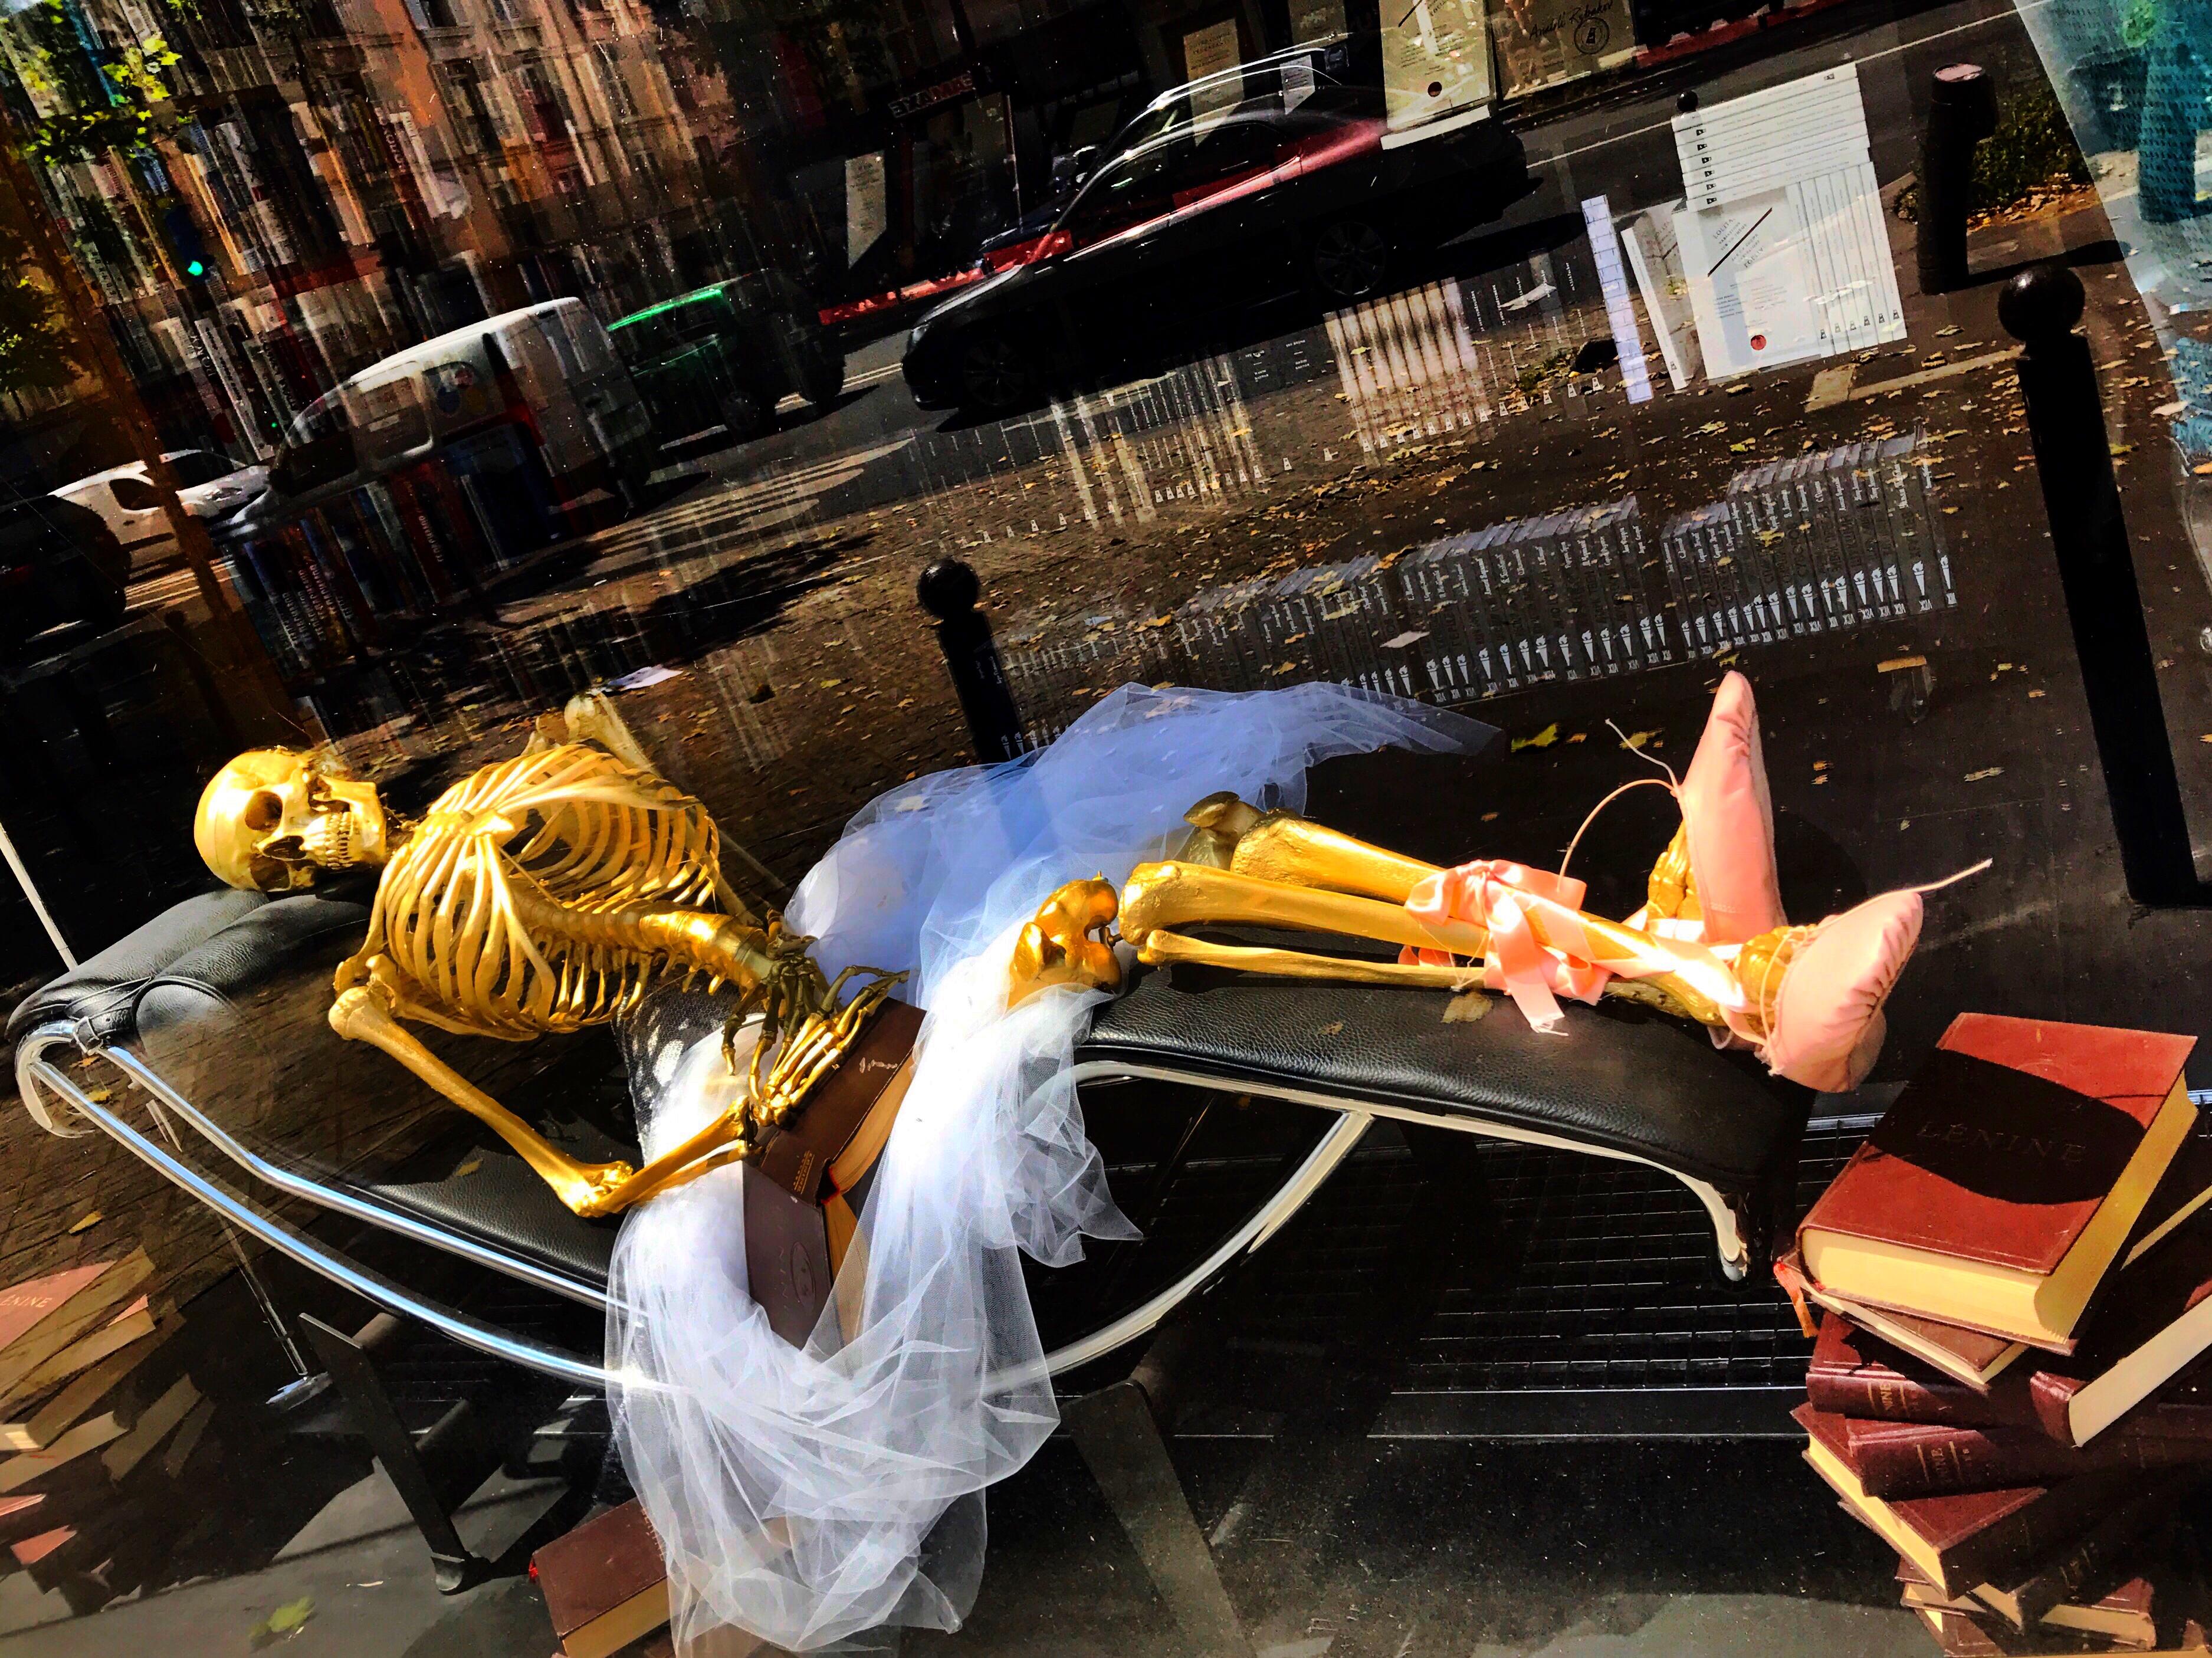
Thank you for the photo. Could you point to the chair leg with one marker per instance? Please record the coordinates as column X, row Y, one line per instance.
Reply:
column 395, row 1448
column 1119, row 1438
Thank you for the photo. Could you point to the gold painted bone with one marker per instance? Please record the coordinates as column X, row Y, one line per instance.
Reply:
column 541, row 895
column 1171, row 897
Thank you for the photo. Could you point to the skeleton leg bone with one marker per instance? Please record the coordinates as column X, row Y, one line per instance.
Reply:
column 1170, row 895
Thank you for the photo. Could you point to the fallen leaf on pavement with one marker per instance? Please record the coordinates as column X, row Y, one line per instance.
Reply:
column 286, row 1621
column 1978, row 776
column 1542, row 739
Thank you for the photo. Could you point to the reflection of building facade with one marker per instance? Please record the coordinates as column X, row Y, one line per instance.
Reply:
column 324, row 186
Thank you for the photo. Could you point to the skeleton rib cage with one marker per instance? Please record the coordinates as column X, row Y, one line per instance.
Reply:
column 511, row 909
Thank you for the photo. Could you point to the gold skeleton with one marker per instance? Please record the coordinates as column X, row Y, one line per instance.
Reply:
column 1242, row 867
column 541, row 895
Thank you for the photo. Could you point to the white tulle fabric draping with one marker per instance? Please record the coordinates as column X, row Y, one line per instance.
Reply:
column 809, row 1495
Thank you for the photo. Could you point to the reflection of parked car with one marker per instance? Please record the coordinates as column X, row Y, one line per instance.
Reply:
column 1219, row 195
column 729, row 354
column 58, row 562
column 210, row 484
column 538, row 391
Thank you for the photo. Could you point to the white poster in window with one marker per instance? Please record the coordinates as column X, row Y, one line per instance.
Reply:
column 1540, row 42
column 1315, row 20
column 1783, row 235
column 1436, row 66
column 1655, row 255
column 866, row 215
column 1206, row 53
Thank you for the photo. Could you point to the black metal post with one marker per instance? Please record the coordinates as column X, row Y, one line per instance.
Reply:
column 2089, row 536
column 948, row 589
column 455, row 1565
column 1962, row 110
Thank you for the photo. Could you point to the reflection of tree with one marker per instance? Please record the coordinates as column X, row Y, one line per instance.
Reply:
column 35, row 350
column 83, row 106
column 2178, row 77
column 841, row 42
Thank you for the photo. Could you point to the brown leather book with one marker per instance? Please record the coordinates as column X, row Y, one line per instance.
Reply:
column 786, row 1257
column 1896, row 1459
column 1929, row 1372
column 2002, row 1185
column 2100, row 1553
column 1858, row 1374
column 1957, row 1542
column 1969, row 1358
column 605, row 1584
column 844, row 1104
column 2156, row 1322
column 1962, row 1635
column 2126, row 1614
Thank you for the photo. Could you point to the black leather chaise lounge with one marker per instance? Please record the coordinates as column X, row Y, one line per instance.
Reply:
column 213, row 1013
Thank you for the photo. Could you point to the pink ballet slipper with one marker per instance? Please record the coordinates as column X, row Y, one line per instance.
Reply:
column 1827, row 1026
column 1728, row 818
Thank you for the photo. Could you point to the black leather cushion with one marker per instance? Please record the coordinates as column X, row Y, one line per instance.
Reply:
column 492, row 1195
column 284, row 933
column 1621, row 1077
column 105, row 988
column 193, row 958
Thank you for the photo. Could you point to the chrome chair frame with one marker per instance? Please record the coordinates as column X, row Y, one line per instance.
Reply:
column 53, row 1098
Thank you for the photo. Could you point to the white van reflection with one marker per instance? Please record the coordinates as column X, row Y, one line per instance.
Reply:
column 210, row 484
column 538, row 392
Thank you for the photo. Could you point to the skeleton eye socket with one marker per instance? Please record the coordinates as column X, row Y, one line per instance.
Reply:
column 264, row 811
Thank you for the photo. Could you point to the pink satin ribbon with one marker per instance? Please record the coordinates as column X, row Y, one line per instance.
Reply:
column 1497, row 895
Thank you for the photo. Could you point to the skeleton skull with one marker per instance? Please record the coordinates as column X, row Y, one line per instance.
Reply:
column 272, row 820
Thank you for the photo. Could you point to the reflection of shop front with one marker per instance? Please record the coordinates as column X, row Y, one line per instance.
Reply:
column 914, row 191
column 1188, row 39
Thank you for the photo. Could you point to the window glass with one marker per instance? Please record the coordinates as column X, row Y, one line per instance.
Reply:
column 135, row 494
column 198, row 466
column 810, row 404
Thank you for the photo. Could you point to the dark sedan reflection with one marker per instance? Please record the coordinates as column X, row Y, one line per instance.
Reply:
column 1223, row 194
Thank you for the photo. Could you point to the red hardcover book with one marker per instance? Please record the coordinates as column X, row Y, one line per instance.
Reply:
column 1969, row 1358
column 1853, row 1374
column 2001, row 1187
column 2125, row 1614
column 1960, row 1541
column 1895, row 1459
column 2107, row 1550
column 605, row 1584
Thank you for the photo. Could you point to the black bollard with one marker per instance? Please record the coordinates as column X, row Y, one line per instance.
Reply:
column 1962, row 110
column 2088, row 534
column 948, row 589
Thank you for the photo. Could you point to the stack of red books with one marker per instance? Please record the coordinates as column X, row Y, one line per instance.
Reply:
column 2014, row 1283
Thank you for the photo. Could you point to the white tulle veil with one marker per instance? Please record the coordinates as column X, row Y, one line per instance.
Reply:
column 809, row 1495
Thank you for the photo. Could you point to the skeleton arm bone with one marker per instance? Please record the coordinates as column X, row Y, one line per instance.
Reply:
column 365, row 1013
